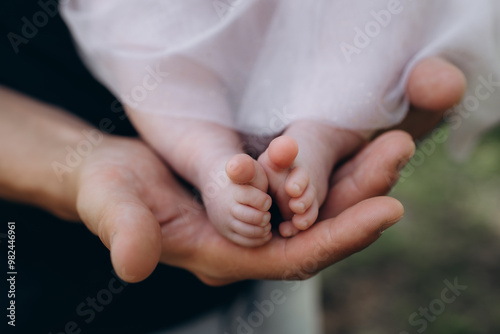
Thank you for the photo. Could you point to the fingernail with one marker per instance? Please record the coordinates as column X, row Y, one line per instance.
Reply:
column 268, row 203
column 267, row 228
column 302, row 207
column 388, row 224
column 127, row 277
column 302, row 225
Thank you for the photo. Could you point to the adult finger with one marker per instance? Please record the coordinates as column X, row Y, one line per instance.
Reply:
column 109, row 206
column 219, row 262
column 334, row 239
column 372, row 172
column 434, row 86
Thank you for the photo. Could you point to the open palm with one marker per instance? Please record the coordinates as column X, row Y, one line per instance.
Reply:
column 144, row 215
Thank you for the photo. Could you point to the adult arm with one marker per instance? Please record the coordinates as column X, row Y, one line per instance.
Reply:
column 32, row 136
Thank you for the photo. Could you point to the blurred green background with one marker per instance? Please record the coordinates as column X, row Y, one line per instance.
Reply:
column 450, row 231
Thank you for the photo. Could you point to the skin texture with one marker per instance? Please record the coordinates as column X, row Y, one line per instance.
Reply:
column 124, row 204
column 434, row 86
column 125, row 195
column 299, row 186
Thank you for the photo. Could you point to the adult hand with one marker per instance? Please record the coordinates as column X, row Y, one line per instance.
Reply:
column 129, row 212
column 124, row 194
column 434, row 86
column 142, row 214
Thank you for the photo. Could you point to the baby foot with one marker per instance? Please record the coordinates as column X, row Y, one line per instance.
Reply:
column 290, row 186
column 239, row 206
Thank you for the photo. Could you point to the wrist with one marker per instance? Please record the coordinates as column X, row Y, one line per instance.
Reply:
column 35, row 139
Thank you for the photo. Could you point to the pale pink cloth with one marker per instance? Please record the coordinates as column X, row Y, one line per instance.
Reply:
column 257, row 65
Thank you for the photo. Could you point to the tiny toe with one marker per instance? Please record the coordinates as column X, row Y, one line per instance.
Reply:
column 304, row 221
column 250, row 215
column 240, row 169
column 249, row 242
column 250, row 231
column 251, row 196
column 301, row 204
column 282, row 151
column 287, row 229
column 297, row 182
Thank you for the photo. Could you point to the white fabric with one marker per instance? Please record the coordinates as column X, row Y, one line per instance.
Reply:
column 296, row 311
column 257, row 65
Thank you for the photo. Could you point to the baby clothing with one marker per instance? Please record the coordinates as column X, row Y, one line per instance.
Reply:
column 258, row 65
